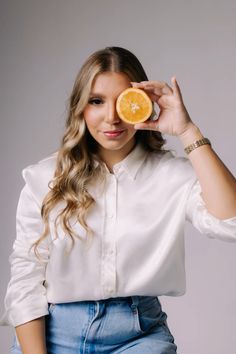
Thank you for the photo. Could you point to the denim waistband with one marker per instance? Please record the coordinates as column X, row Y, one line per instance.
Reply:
column 132, row 300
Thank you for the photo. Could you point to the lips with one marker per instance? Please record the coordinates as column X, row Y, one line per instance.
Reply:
column 113, row 133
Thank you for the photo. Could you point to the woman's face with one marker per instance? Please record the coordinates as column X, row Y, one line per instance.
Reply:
column 115, row 138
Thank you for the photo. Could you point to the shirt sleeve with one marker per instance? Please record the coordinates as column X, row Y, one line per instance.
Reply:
column 25, row 299
column 206, row 223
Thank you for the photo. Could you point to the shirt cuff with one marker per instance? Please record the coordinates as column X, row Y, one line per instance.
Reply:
column 205, row 222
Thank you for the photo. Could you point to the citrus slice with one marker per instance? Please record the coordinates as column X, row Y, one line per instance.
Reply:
column 134, row 106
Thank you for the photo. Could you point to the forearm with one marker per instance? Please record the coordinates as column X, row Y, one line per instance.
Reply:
column 31, row 336
column 217, row 183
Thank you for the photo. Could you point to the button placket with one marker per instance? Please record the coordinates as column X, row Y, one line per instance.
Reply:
column 108, row 244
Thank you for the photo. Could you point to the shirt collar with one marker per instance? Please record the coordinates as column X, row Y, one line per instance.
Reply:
column 132, row 162
column 129, row 165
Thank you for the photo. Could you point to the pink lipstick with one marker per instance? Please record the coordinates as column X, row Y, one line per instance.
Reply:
column 113, row 133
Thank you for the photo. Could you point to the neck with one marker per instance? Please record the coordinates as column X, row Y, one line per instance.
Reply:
column 112, row 157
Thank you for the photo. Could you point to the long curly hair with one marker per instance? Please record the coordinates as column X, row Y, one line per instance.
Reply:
column 77, row 162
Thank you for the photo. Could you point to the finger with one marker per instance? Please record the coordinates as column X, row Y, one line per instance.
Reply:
column 159, row 87
column 176, row 88
column 149, row 90
column 137, row 84
column 150, row 125
column 153, row 96
column 153, row 89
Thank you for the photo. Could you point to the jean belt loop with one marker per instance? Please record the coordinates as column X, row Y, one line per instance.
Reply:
column 135, row 301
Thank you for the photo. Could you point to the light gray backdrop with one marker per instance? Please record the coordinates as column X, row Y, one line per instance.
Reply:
column 43, row 44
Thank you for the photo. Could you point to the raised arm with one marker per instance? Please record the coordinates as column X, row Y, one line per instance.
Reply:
column 218, row 185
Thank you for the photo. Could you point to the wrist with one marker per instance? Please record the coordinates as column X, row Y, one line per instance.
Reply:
column 191, row 134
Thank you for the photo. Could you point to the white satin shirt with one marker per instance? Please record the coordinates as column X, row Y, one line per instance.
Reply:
column 138, row 243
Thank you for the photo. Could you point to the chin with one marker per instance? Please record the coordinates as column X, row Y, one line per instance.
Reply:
column 113, row 146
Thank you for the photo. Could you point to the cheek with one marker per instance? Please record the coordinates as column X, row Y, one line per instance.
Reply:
column 91, row 118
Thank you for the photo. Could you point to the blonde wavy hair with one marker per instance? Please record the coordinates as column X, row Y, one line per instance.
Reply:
column 76, row 164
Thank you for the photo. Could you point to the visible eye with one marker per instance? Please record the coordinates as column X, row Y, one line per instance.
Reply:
column 95, row 101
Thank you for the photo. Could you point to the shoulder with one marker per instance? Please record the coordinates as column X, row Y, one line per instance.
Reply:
column 38, row 175
column 45, row 167
column 173, row 167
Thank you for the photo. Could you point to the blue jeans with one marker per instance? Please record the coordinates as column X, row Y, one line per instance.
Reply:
column 131, row 325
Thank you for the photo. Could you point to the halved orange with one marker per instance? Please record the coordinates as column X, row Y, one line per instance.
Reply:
column 134, row 106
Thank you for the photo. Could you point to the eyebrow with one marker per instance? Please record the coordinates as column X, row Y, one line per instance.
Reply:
column 94, row 94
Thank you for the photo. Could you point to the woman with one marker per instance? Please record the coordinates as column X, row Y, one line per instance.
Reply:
column 100, row 224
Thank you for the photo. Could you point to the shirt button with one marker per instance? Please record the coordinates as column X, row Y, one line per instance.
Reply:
column 110, row 215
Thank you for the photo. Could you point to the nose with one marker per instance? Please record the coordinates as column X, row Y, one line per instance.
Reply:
column 111, row 114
